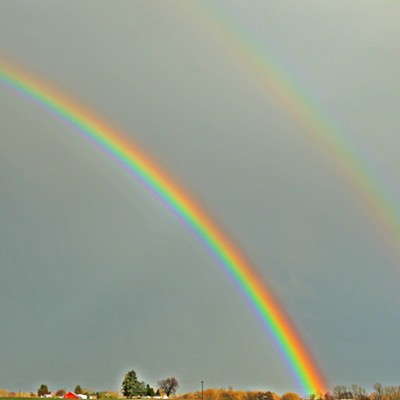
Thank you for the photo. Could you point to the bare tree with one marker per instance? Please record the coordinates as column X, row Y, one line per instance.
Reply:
column 358, row 392
column 168, row 386
column 342, row 392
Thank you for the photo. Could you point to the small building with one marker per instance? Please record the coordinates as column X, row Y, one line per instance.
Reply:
column 71, row 395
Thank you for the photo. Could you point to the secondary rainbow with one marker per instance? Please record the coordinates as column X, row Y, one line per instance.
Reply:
column 271, row 77
column 272, row 315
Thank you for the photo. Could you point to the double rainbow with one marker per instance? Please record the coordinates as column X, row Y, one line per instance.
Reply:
column 154, row 178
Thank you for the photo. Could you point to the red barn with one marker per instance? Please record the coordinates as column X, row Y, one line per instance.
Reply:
column 71, row 395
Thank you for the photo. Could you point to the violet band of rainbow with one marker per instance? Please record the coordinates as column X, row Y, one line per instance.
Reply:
column 291, row 346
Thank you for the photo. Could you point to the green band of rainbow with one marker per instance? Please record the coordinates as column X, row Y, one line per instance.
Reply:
column 271, row 313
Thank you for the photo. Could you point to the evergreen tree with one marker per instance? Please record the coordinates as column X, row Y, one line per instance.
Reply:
column 131, row 386
column 149, row 391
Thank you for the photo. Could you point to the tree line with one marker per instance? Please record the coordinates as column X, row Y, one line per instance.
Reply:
column 133, row 387
column 339, row 392
column 355, row 392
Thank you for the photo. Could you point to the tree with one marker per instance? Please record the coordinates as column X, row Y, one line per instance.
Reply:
column 43, row 390
column 78, row 389
column 259, row 396
column 379, row 390
column 358, row 393
column 342, row 392
column 132, row 387
column 150, row 391
column 290, row 396
column 168, row 386
column 60, row 393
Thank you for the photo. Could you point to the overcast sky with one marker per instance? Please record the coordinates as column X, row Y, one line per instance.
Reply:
column 98, row 278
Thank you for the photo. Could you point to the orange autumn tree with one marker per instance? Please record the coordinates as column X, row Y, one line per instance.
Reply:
column 290, row 396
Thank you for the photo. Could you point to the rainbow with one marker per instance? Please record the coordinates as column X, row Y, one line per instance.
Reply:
column 114, row 144
column 271, row 77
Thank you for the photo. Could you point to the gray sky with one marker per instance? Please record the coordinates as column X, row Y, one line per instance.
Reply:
column 98, row 278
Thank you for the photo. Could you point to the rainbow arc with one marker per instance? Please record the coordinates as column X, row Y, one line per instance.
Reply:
column 115, row 145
